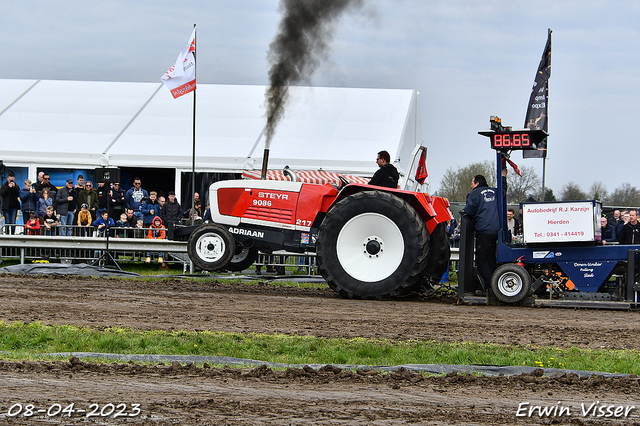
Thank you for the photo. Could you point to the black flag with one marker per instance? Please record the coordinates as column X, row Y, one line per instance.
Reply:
column 538, row 102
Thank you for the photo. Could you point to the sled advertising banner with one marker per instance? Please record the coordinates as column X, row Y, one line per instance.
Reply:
column 561, row 222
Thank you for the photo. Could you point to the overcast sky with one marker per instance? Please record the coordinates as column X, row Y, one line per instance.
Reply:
column 468, row 60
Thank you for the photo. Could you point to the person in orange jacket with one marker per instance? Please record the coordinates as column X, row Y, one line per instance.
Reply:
column 157, row 231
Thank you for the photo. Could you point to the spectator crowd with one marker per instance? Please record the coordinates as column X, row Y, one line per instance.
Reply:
column 79, row 209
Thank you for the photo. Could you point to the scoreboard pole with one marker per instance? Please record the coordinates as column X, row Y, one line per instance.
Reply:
column 544, row 170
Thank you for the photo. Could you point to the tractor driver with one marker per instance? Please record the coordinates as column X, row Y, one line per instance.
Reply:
column 387, row 175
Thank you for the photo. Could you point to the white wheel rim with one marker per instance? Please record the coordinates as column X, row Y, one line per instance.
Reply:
column 510, row 284
column 210, row 247
column 370, row 247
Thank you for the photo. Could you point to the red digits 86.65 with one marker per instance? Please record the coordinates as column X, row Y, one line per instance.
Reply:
column 511, row 140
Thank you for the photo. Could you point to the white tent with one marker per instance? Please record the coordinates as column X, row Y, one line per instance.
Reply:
column 88, row 124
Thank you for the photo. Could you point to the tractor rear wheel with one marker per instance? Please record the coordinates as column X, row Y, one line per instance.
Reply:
column 372, row 245
column 511, row 283
column 437, row 260
column 439, row 253
column 211, row 247
column 243, row 258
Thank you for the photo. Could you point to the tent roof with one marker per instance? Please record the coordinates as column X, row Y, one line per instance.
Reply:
column 121, row 124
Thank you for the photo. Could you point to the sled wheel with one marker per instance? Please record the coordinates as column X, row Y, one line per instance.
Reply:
column 439, row 253
column 511, row 283
column 242, row 259
column 372, row 245
column 211, row 247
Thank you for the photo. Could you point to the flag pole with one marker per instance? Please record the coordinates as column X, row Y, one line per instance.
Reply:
column 193, row 154
column 180, row 79
column 544, row 159
column 537, row 108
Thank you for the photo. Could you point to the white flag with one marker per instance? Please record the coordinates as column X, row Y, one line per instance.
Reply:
column 181, row 77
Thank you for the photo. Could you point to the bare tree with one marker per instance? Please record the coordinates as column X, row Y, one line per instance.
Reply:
column 520, row 187
column 625, row 195
column 599, row 192
column 456, row 183
column 572, row 192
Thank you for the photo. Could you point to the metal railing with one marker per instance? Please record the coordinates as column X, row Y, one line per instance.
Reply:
column 279, row 260
column 128, row 244
column 88, row 244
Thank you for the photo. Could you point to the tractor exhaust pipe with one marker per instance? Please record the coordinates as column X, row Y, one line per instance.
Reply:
column 265, row 162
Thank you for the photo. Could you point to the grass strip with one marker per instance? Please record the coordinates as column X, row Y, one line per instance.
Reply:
column 233, row 280
column 23, row 341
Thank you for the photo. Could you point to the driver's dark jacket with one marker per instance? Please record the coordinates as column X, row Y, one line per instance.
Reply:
column 482, row 206
column 386, row 176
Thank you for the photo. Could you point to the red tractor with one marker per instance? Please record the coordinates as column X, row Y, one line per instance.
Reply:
column 370, row 242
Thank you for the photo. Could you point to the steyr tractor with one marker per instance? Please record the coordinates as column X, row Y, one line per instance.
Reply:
column 370, row 242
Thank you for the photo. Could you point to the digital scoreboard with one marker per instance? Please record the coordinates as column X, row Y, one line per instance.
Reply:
column 507, row 140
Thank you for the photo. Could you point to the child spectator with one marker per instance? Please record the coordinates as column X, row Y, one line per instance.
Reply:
column 44, row 202
column 84, row 220
column 29, row 199
column 149, row 208
column 49, row 220
column 138, row 232
column 122, row 223
column 32, row 225
column 156, row 232
column 103, row 223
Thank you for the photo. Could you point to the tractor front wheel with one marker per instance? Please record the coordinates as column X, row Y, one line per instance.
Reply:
column 211, row 247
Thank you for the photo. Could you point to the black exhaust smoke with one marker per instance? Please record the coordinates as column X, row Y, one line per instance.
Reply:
column 304, row 35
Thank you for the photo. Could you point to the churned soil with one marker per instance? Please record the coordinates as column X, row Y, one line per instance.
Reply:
column 172, row 393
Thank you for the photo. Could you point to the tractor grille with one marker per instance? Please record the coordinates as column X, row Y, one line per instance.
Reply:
column 267, row 213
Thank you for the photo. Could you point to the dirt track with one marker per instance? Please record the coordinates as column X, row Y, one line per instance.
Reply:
column 174, row 394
